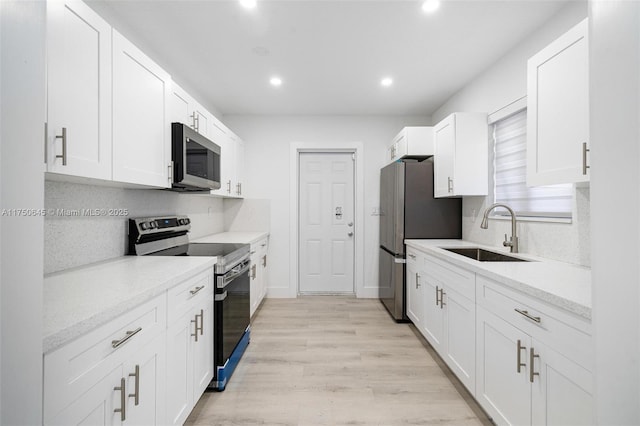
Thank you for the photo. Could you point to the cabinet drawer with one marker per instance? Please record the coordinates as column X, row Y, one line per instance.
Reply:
column 566, row 333
column 457, row 279
column 72, row 369
column 184, row 296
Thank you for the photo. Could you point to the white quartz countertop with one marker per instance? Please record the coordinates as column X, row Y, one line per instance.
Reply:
column 560, row 284
column 82, row 299
column 233, row 237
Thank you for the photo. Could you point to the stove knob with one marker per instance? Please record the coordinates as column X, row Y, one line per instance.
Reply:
column 154, row 224
column 181, row 222
column 144, row 226
column 187, row 221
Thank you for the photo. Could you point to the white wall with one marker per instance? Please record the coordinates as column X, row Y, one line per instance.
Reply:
column 502, row 84
column 71, row 241
column 22, row 112
column 615, row 135
column 267, row 173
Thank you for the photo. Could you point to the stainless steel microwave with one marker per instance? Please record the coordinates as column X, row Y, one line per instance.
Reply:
column 196, row 160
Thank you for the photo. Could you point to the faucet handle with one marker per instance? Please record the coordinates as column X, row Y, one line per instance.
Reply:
column 506, row 242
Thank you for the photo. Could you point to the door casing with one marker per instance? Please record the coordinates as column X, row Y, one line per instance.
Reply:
column 351, row 147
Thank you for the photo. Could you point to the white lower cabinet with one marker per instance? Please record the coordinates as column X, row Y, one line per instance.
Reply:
column 80, row 378
column 189, row 345
column 449, row 320
column 149, row 366
column 415, row 295
column 258, row 273
column 533, row 361
column 525, row 362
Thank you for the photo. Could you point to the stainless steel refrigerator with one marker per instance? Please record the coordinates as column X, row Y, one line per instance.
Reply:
column 409, row 210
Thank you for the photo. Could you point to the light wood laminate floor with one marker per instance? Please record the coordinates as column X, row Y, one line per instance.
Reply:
column 332, row 360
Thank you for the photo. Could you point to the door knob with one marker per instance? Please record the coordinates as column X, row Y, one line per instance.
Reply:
column 350, row 234
column 350, row 224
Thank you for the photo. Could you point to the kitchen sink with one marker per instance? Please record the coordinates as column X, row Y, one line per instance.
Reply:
column 483, row 255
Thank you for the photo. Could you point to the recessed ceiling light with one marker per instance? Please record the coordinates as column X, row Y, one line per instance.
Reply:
column 386, row 82
column 430, row 6
column 275, row 81
column 248, row 4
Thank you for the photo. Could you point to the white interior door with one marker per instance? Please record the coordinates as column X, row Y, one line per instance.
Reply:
column 326, row 221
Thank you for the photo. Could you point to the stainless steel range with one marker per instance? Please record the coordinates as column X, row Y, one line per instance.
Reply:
column 167, row 236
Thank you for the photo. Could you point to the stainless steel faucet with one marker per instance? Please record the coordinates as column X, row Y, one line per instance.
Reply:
column 513, row 243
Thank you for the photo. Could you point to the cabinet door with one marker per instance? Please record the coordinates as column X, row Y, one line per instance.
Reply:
column 263, row 278
column 145, row 374
column 562, row 392
column 558, row 110
column 444, row 160
column 239, row 160
column 415, row 296
column 402, row 144
column 97, row 405
column 78, row 90
column 501, row 390
column 433, row 325
column 179, row 395
column 220, row 137
column 141, row 130
column 460, row 337
column 181, row 106
column 203, row 351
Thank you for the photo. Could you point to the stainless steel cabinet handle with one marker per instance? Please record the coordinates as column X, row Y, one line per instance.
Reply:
column 201, row 321
column 196, row 290
column 229, row 187
column 136, row 389
column 584, row 158
column 520, row 348
column 437, row 296
column 170, row 172
column 532, row 357
column 195, row 331
column 264, row 261
column 253, row 272
column 528, row 315
column 449, row 184
column 413, row 256
column 442, row 293
column 197, row 122
column 63, row 136
column 123, row 400
column 417, row 280
column 117, row 343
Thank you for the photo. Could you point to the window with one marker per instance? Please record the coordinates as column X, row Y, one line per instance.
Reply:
column 510, row 174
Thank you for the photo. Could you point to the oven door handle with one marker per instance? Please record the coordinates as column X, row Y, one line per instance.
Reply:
column 220, row 297
column 226, row 279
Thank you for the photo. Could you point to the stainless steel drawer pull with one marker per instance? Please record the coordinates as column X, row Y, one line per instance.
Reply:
column 196, row 290
column 532, row 357
column 117, row 343
column 584, row 158
column 413, row 256
column 123, row 400
column 520, row 348
column 136, row 389
column 528, row 315
column 63, row 136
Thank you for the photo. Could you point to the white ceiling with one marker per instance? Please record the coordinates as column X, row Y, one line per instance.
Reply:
column 331, row 54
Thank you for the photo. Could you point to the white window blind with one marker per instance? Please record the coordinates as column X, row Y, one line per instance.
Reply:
column 510, row 176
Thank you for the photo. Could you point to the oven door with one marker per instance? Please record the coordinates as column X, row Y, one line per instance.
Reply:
column 231, row 311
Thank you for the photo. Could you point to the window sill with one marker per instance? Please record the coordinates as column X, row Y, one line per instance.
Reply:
column 535, row 219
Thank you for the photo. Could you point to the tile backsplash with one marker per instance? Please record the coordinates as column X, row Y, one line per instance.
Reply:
column 74, row 238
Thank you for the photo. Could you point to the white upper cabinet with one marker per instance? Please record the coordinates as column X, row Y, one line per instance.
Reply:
column 78, row 91
column 186, row 110
column 461, row 158
column 141, row 128
column 412, row 142
column 558, row 110
column 231, row 160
